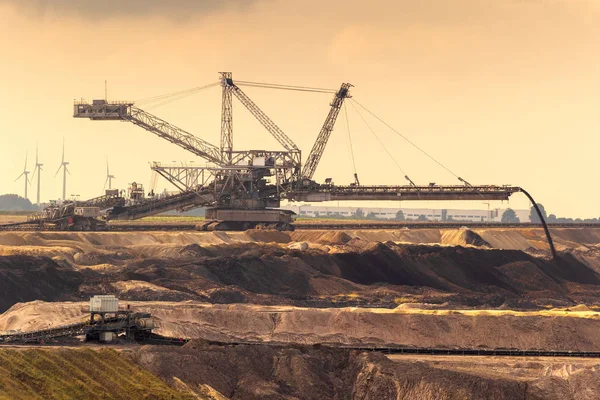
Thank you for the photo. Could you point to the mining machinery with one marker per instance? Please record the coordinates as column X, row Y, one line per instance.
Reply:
column 243, row 188
column 107, row 324
column 76, row 215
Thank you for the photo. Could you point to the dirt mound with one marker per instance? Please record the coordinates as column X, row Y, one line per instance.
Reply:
column 90, row 241
column 412, row 327
column 322, row 237
column 498, row 237
column 261, row 372
column 267, row 236
column 27, row 278
column 463, row 237
column 358, row 273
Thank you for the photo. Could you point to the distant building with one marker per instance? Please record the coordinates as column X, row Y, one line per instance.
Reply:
column 410, row 214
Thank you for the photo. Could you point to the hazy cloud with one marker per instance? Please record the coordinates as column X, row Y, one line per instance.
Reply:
column 105, row 9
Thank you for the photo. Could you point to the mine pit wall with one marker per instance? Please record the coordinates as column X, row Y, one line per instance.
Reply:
column 196, row 371
column 447, row 329
column 201, row 371
column 316, row 269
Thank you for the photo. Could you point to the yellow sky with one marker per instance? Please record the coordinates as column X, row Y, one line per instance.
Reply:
column 500, row 91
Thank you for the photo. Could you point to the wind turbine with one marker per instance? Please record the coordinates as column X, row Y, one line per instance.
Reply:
column 63, row 165
column 38, row 169
column 109, row 177
column 24, row 173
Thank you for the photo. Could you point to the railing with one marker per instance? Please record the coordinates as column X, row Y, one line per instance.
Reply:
column 118, row 102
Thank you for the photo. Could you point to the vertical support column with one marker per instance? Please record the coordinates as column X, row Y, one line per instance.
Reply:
column 226, row 118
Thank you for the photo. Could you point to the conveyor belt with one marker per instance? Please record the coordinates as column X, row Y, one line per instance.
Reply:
column 42, row 335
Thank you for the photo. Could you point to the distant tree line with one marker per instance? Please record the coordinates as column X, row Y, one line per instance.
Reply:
column 13, row 202
column 509, row 216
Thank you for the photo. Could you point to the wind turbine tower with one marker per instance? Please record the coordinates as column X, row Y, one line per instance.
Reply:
column 109, row 177
column 38, row 169
column 63, row 165
column 25, row 173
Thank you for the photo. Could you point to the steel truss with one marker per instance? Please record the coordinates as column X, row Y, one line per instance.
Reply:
column 101, row 110
column 231, row 186
column 226, row 118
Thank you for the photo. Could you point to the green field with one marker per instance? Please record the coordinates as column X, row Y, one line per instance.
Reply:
column 77, row 374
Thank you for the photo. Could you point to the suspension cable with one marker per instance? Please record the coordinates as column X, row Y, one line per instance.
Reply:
column 350, row 139
column 408, row 140
column 182, row 96
column 284, row 87
column 175, row 94
column 380, row 142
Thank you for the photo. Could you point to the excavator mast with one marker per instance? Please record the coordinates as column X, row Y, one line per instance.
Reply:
column 226, row 118
column 291, row 156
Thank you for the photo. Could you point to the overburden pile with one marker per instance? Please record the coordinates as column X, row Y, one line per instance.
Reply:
column 357, row 273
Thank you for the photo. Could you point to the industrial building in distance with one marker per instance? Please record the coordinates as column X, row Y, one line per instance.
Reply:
column 429, row 214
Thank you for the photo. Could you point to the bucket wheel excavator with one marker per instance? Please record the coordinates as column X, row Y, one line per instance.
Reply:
column 242, row 189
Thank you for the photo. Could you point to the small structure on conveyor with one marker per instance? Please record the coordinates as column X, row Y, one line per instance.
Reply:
column 107, row 324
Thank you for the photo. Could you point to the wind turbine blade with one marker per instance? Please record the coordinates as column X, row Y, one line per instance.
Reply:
column 105, row 182
column 36, row 153
column 25, row 167
column 19, row 177
column 67, row 169
column 58, row 170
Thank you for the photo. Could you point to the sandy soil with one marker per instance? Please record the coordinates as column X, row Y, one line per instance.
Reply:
column 12, row 219
column 494, row 288
column 498, row 238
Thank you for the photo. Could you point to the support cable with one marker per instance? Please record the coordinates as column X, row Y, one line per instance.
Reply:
column 350, row 144
column 380, row 142
column 409, row 141
column 284, row 87
column 350, row 139
column 167, row 101
column 168, row 97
